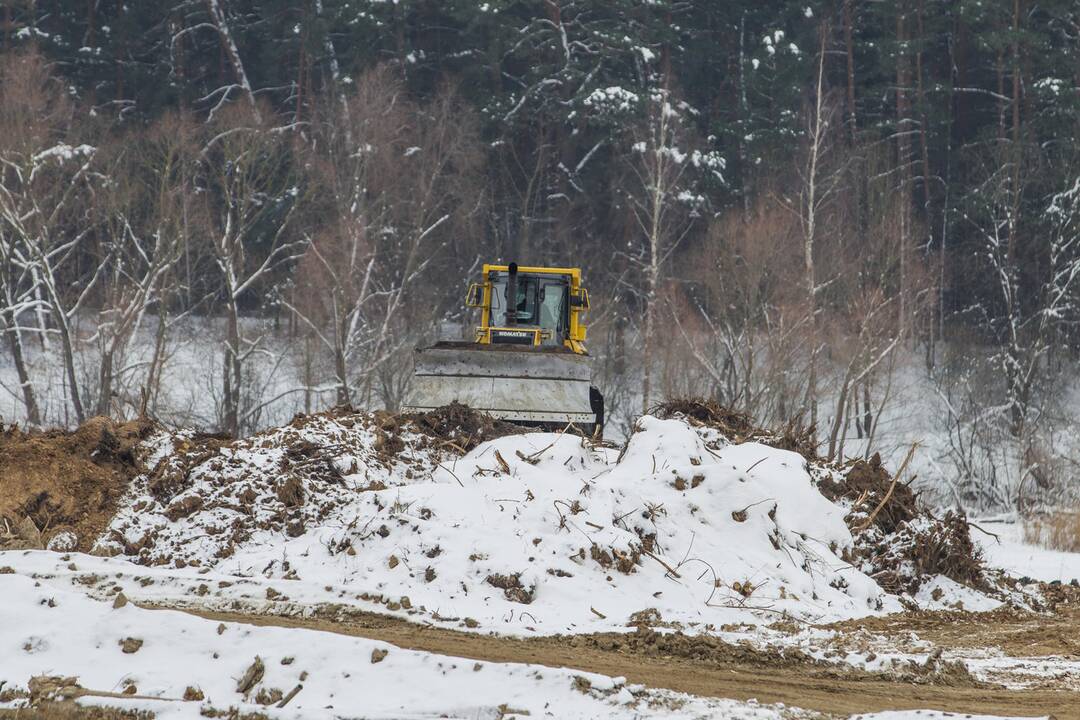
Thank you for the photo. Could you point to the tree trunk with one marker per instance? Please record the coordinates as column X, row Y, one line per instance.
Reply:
column 105, row 382
column 229, row 46
column 849, row 47
column 924, row 150
column 157, row 360
column 648, row 340
column 903, row 157
column 69, row 366
column 232, row 372
column 341, row 371
column 33, row 414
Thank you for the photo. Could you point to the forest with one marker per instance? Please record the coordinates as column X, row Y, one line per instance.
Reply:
column 859, row 220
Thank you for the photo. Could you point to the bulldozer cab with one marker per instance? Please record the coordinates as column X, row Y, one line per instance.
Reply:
column 532, row 306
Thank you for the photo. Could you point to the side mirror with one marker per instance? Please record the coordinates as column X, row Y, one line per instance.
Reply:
column 581, row 300
column 475, row 296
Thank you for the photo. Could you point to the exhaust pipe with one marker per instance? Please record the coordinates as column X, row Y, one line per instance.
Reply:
column 511, row 296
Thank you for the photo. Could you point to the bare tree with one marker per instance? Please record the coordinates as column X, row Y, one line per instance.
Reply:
column 817, row 188
column 144, row 231
column 44, row 181
column 254, row 189
column 400, row 182
column 661, row 203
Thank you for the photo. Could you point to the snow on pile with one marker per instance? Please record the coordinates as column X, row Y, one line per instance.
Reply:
column 202, row 498
column 528, row 533
column 180, row 666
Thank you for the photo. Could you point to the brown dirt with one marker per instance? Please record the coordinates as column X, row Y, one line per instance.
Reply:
column 454, row 424
column 868, row 482
column 702, row 666
column 55, row 480
column 1017, row 633
column 738, row 426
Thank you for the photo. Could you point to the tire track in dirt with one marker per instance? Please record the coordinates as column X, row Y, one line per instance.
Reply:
column 734, row 673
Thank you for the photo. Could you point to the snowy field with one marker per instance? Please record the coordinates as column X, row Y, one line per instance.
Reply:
column 1009, row 552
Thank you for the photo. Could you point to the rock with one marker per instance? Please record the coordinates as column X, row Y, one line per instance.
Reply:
column 119, row 601
column 378, row 655
column 131, row 645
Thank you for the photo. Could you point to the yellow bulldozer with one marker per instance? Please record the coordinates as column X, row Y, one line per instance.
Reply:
column 526, row 362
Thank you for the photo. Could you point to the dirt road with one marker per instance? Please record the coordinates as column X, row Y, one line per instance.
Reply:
column 707, row 667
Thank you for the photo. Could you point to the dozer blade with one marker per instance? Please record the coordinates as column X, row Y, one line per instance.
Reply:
column 534, row 386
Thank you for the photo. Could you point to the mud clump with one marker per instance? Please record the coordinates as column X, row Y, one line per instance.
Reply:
column 512, row 588
column 922, row 548
column 644, row 640
column 707, row 412
column 869, row 486
column 65, row 482
column 456, row 424
column 173, row 475
column 900, row 544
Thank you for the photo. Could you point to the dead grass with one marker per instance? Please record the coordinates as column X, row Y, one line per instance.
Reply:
column 1057, row 530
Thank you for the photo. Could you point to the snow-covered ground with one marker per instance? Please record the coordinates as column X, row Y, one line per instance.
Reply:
column 166, row 655
column 1009, row 552
column 181, row 666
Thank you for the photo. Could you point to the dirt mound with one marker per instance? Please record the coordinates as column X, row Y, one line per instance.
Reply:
column 60, row 488
column 898, row 543
column 706, row 412
column 457, row 425
column 202, row 496
column 737, row 426
column 875, row 498
column 922, row 548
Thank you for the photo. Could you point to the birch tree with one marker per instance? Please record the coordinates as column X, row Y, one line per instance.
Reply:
column 43, row 183
column 663, row 204
column 816, row 189
column 253, row 190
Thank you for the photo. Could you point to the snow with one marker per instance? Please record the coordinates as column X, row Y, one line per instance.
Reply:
column 1010, row 553
column 941, row 593
column 533, row 534
column 612, row 100
column 50, row 630
column 702, row 531
column 45, row 631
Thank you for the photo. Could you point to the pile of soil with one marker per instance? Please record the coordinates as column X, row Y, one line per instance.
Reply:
column 923, row 548
column 460, row 426
column 868, row 486
column 62, row 487
column 737, row 426
column 897, row 542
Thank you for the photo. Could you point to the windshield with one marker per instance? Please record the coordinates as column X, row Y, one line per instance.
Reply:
column 540, row 302
column 525, row 305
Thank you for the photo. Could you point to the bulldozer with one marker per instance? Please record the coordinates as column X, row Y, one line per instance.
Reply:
column 526, row 362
